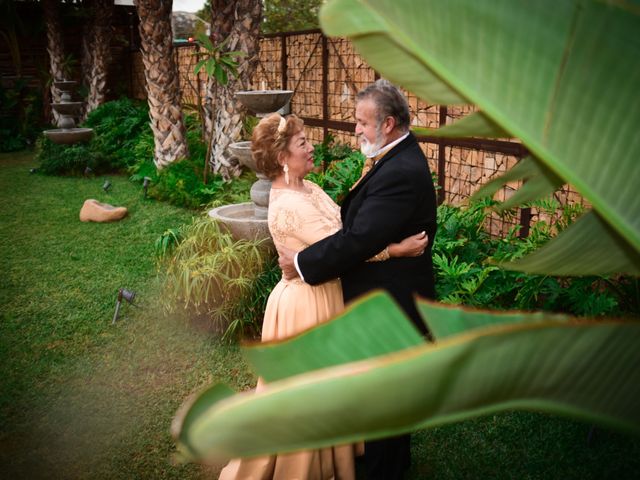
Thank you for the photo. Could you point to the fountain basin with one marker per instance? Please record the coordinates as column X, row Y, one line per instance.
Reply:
column 67, row 108
column 239, row 219
column 264, row 101
column 68, row 136
column 242, row 151
column 65, row 85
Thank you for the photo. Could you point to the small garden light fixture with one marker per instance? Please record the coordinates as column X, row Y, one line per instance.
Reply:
column 145, row 185
column 33, row 170
column 88, row 171
column 106, row 186
column 123, row 294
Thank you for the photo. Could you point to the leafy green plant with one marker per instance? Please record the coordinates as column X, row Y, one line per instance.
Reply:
column 339, row 165
column 289, row 15
column 463, row 250
column 182, row 183
column 217, row 62
column 57, row 159
column 117, row 126
column 167, row 242
column 20, row 122
column 179, row 183
column 329, row 151
column 224, row 281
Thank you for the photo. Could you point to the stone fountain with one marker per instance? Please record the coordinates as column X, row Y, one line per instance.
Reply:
column 67, row 133
column 249, row 220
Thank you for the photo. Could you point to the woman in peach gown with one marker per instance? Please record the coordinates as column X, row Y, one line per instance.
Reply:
column 300, row 214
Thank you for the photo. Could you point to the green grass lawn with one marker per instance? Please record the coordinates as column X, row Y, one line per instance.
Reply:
column 82, row 398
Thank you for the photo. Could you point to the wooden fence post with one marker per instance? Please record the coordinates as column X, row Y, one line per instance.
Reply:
column 283, row 61
column 325, row 86
column 442, row 164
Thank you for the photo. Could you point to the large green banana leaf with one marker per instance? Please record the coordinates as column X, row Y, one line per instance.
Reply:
column 588, row 371
column 560, row 75
column 539, row 182
column 445, row 320
column 343, row 340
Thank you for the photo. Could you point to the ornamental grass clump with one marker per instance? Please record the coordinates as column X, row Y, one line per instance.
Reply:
column 224, row 283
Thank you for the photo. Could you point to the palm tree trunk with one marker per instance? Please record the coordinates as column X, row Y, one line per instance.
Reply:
column 162, row 83
column 98, row 54
column 55, row 48
column 239, row 21
column 222, row 12
column 86, row 59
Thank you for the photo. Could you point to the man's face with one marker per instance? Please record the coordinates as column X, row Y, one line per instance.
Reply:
column 368, row 130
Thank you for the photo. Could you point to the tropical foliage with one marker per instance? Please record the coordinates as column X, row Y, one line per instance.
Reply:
column 20, row 122
column 183, row 183
column 119, row 127
column 552, row 74
column 215, row 60
column 218, row 63
column 463, row 250
column 338, row 167
column 123, row 142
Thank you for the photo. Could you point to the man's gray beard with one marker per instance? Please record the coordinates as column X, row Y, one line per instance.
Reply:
column 369, row 149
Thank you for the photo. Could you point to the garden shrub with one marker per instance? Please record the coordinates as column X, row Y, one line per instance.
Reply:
column 463, row 252
column 182, row 183
column 123, row 140
column 20, row 122
column 117, row 127
column 179, row 183
column 222, row 281
column 339, row 168
column 329, row 151
column 57, row 159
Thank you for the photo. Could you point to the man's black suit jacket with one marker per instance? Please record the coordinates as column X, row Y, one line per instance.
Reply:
column 394, row 200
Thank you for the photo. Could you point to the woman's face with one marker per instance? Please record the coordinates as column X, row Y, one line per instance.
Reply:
column 298, row 155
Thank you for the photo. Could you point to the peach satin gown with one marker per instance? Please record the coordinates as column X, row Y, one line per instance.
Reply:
column 296, row 220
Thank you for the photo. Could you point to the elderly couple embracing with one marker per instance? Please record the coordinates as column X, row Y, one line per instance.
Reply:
column 380, row 238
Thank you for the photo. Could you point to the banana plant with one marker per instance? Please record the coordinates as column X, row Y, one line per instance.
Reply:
column 559, row 75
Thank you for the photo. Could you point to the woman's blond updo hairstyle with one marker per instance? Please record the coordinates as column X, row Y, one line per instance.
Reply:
column 267, row 142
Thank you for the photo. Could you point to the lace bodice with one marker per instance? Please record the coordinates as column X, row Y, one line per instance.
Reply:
column 299, row 219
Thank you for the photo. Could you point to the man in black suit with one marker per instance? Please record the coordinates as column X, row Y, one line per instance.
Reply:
column 393, row 200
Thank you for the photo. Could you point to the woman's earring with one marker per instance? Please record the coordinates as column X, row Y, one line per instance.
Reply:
column 286, row 173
